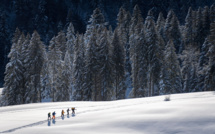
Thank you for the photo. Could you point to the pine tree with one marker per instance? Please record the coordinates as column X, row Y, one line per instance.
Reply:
column 36, row 57
column 118, row 63
column 154, row 54
column 172, row 30
column 160, row 25
column 189, row 67
column 97, row 22
column 105, row 66
column 79, row 70
column 188, row 31
column 61, row 43
column 92, row 41
column 122, row 29
column 14, row 73
column 172, row 75
column 23, row 57
column 136, row 41
column 210, row 79
column 55, row 61
column 92, row 67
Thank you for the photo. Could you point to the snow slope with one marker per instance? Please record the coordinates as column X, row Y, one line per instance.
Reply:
column 192, row 113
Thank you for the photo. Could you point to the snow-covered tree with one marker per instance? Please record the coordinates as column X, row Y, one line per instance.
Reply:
column 210, row 74
column 160, row 25
column 79, row 70
column 36, row 57
column 172, row 30
column 13, row 85
column 55, row 61
column 172, row 79
column 60, row 41
column 105, row 66
column 136, row 41
column 118, row 64
column 92, row 66
column 154, row 54
column 123, row 26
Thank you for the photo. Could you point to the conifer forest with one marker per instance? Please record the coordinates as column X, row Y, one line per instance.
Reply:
column 100, row 50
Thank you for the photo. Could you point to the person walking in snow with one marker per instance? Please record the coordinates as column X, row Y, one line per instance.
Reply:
column 62, row 113
column 73, row 110
column 49, row 116
column 53, row 115
column 68, row 111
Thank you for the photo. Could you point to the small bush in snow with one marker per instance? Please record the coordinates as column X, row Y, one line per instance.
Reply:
column 167, row 98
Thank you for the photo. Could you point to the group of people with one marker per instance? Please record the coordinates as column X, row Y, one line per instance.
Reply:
column 62, row 113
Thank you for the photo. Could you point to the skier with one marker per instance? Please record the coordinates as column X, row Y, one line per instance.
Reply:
column 73, row 110
column 49, row 116
column 53, row 115
column 62, row 113
column 68, row 111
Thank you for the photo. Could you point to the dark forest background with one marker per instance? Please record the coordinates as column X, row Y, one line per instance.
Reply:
column 48, row 17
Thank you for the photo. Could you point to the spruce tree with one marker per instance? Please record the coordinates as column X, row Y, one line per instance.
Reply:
column 61, row 43
column 105, row 65
column 172, row 30
column 160, row 25
column 13, row 86
column 210, row 74
column 91, row 68
column 123, row 26
column 118, row 63
column 172, row 76
column 55, row 61
column 79, row 70
column 136, row 41
column 36, row 57
column 154, row 54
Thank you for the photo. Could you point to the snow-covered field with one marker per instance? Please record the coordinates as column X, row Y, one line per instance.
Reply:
column 192, row 113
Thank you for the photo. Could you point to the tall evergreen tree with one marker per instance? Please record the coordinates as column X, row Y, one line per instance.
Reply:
column 55, row 61
column 172, row 76
column 153, row 54
column 106, row 63
column 160, row 25
column 123, row 26
column 61, row 43
column 118, row 63
column 14, row 73
column 92, row 67
column 172, row 30
column 36, row 57
column 210, row 74
column 136, row 41
column 79, row 70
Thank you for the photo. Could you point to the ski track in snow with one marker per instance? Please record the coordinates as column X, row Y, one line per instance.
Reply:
column 59, row 117
column 100, row 107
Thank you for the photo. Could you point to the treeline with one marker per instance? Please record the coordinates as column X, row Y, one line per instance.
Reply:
column 161, row 57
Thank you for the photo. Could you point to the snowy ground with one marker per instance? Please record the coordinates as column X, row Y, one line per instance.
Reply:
column 192, row 113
